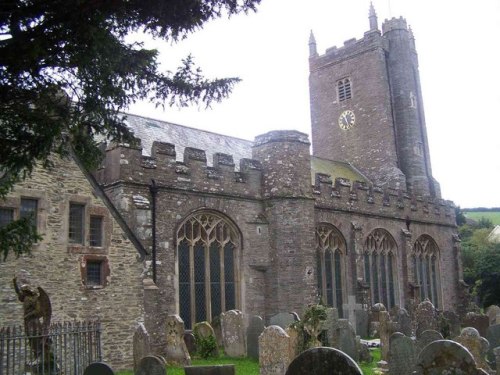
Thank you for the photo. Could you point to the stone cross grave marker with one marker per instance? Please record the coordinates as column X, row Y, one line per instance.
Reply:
column 323, row 361
column 233, row 333
column 402, row 354
column 478, row 346
column 151, row 365
column 98, row 368
column 177, row 352
column 254, row 329
column 274, row 351
column 141, row 344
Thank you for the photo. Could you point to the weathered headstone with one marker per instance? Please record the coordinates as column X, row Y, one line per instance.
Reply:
column 393, row 312
column 98, row 368
column 481, row 322
column 493, row 313
column 453, row 324
column 404, row 322
column 274, row 351
column 210, row 370
column 141, row 344
column 296, row 341
column 204, row 331
column 402, row 354
column 215, row 324
column 151, row 365
column 332, row 317
column 386, row 329
column 233, row 333
column 177, row 352
column 254, row 329
column 362, row 319
column 190, row 342
column 493, row 337
column 345, row 338
column 426, row 317
column 445, row 357
column 478, row 346
column 282, row 319
column 323, row 361
column 426, row 338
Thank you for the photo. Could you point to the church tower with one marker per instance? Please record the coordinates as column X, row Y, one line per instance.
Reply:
column 366, row 107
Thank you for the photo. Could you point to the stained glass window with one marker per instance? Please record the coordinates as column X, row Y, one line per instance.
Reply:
column 426, row 264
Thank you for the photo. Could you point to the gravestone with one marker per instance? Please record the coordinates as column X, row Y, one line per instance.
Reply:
column 151, row 365
column 190, row 342
column 141, row 344
column 493, row 337
column 445, row 357
column 393, row 312
column 425, row 317
column 426, row 338
column 404, row 322
column 177, row 352
column 233, row 333
column 323, row 361
column 296, row 341
column 454, row 326
column 215, row 324
column 203, row 331
column 386, row 329
column 402, row 354
column 98, row 368
column 332, row 317
column 282, row 319
column 478, row 346
column 274, row 351
column 345, row 338
column 481, row 322
column 493, row 313
column 210, row 370
column 254, row 329
column 362, row 319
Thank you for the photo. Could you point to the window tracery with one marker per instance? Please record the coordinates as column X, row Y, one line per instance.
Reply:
column 426, row 268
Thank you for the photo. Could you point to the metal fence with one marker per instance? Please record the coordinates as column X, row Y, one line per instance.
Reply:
column 64, row 349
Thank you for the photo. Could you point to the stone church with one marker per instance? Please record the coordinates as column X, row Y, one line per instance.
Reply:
column 262, row 226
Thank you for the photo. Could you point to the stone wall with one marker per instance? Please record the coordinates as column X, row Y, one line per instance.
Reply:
column 59, row 267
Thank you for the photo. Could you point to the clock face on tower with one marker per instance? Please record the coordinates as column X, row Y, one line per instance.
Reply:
column 347, row 119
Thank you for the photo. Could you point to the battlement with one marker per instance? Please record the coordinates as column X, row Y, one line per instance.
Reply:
column 124, row 163
column 357, row 196
column 394, row 24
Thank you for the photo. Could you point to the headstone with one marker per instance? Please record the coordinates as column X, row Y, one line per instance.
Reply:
column 402, row 354
column 445, row 357
column 481, row 322
column 386, row 329
column 177, row 352
column 493, row 313
column 233, row 333
column 426, row 317
column 453, row 322
column 296, row 341
column 254, row 329
column 493, row 337
column 364, row 353
column 215, row 324
column 203, row 331
column 478, row 346
column 426, row 338
column 141, row 344
column 274, row 351
column 98, row 368
column 404, row 322
column 362, row 318
column 210, row 370
column 151, row 365
column 393, row 312
column 345, row 338
column 332, row 317
column 282, row 319
column 190, row 342
column 323, row 361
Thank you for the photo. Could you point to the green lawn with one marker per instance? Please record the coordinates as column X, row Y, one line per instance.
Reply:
column 246, row 366
column 494, row 216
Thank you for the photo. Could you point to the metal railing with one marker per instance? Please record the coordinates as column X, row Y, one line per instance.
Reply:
column 63, row 349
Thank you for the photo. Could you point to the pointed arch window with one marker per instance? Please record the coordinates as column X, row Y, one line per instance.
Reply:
column 208, row 248
column 426, row 268
column 331, row 252
column 344, row 89
column 379, row 263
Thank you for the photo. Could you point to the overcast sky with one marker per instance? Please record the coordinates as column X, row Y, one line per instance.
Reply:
column 459, row 54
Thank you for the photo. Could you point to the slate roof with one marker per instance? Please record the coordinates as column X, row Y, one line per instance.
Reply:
column 149, row 130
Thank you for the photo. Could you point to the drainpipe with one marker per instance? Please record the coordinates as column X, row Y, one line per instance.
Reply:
column 153, row 189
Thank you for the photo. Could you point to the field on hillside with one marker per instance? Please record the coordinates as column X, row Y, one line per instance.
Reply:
column 494, row 216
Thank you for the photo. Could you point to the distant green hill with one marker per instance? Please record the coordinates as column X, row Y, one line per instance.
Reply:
column 494, row 216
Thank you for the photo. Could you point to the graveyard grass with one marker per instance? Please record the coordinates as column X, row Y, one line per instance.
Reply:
column 248, row 366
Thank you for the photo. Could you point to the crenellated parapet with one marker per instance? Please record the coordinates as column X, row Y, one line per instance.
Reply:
column 126, row 164
column 361, row 197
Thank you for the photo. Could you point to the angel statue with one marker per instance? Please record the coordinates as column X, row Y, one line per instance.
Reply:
column 37, row 312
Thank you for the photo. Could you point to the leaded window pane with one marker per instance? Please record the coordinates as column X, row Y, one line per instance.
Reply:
column 383, row 283
column 329, row 278
column 29, row 209
column 320, row 278
column 376, row 296
column 390, row 265
column 215, row 276
column 230, row 295
column 428, row 269
column 199, row 282
column 94, row 274
column 184, row 283
column 76, row 223
column 434, row 284
column 96, row 231
column 6, row 216
column 338, row 283
column 367, row 270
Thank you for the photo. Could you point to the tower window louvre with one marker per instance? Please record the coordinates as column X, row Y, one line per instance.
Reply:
column 344, row 89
